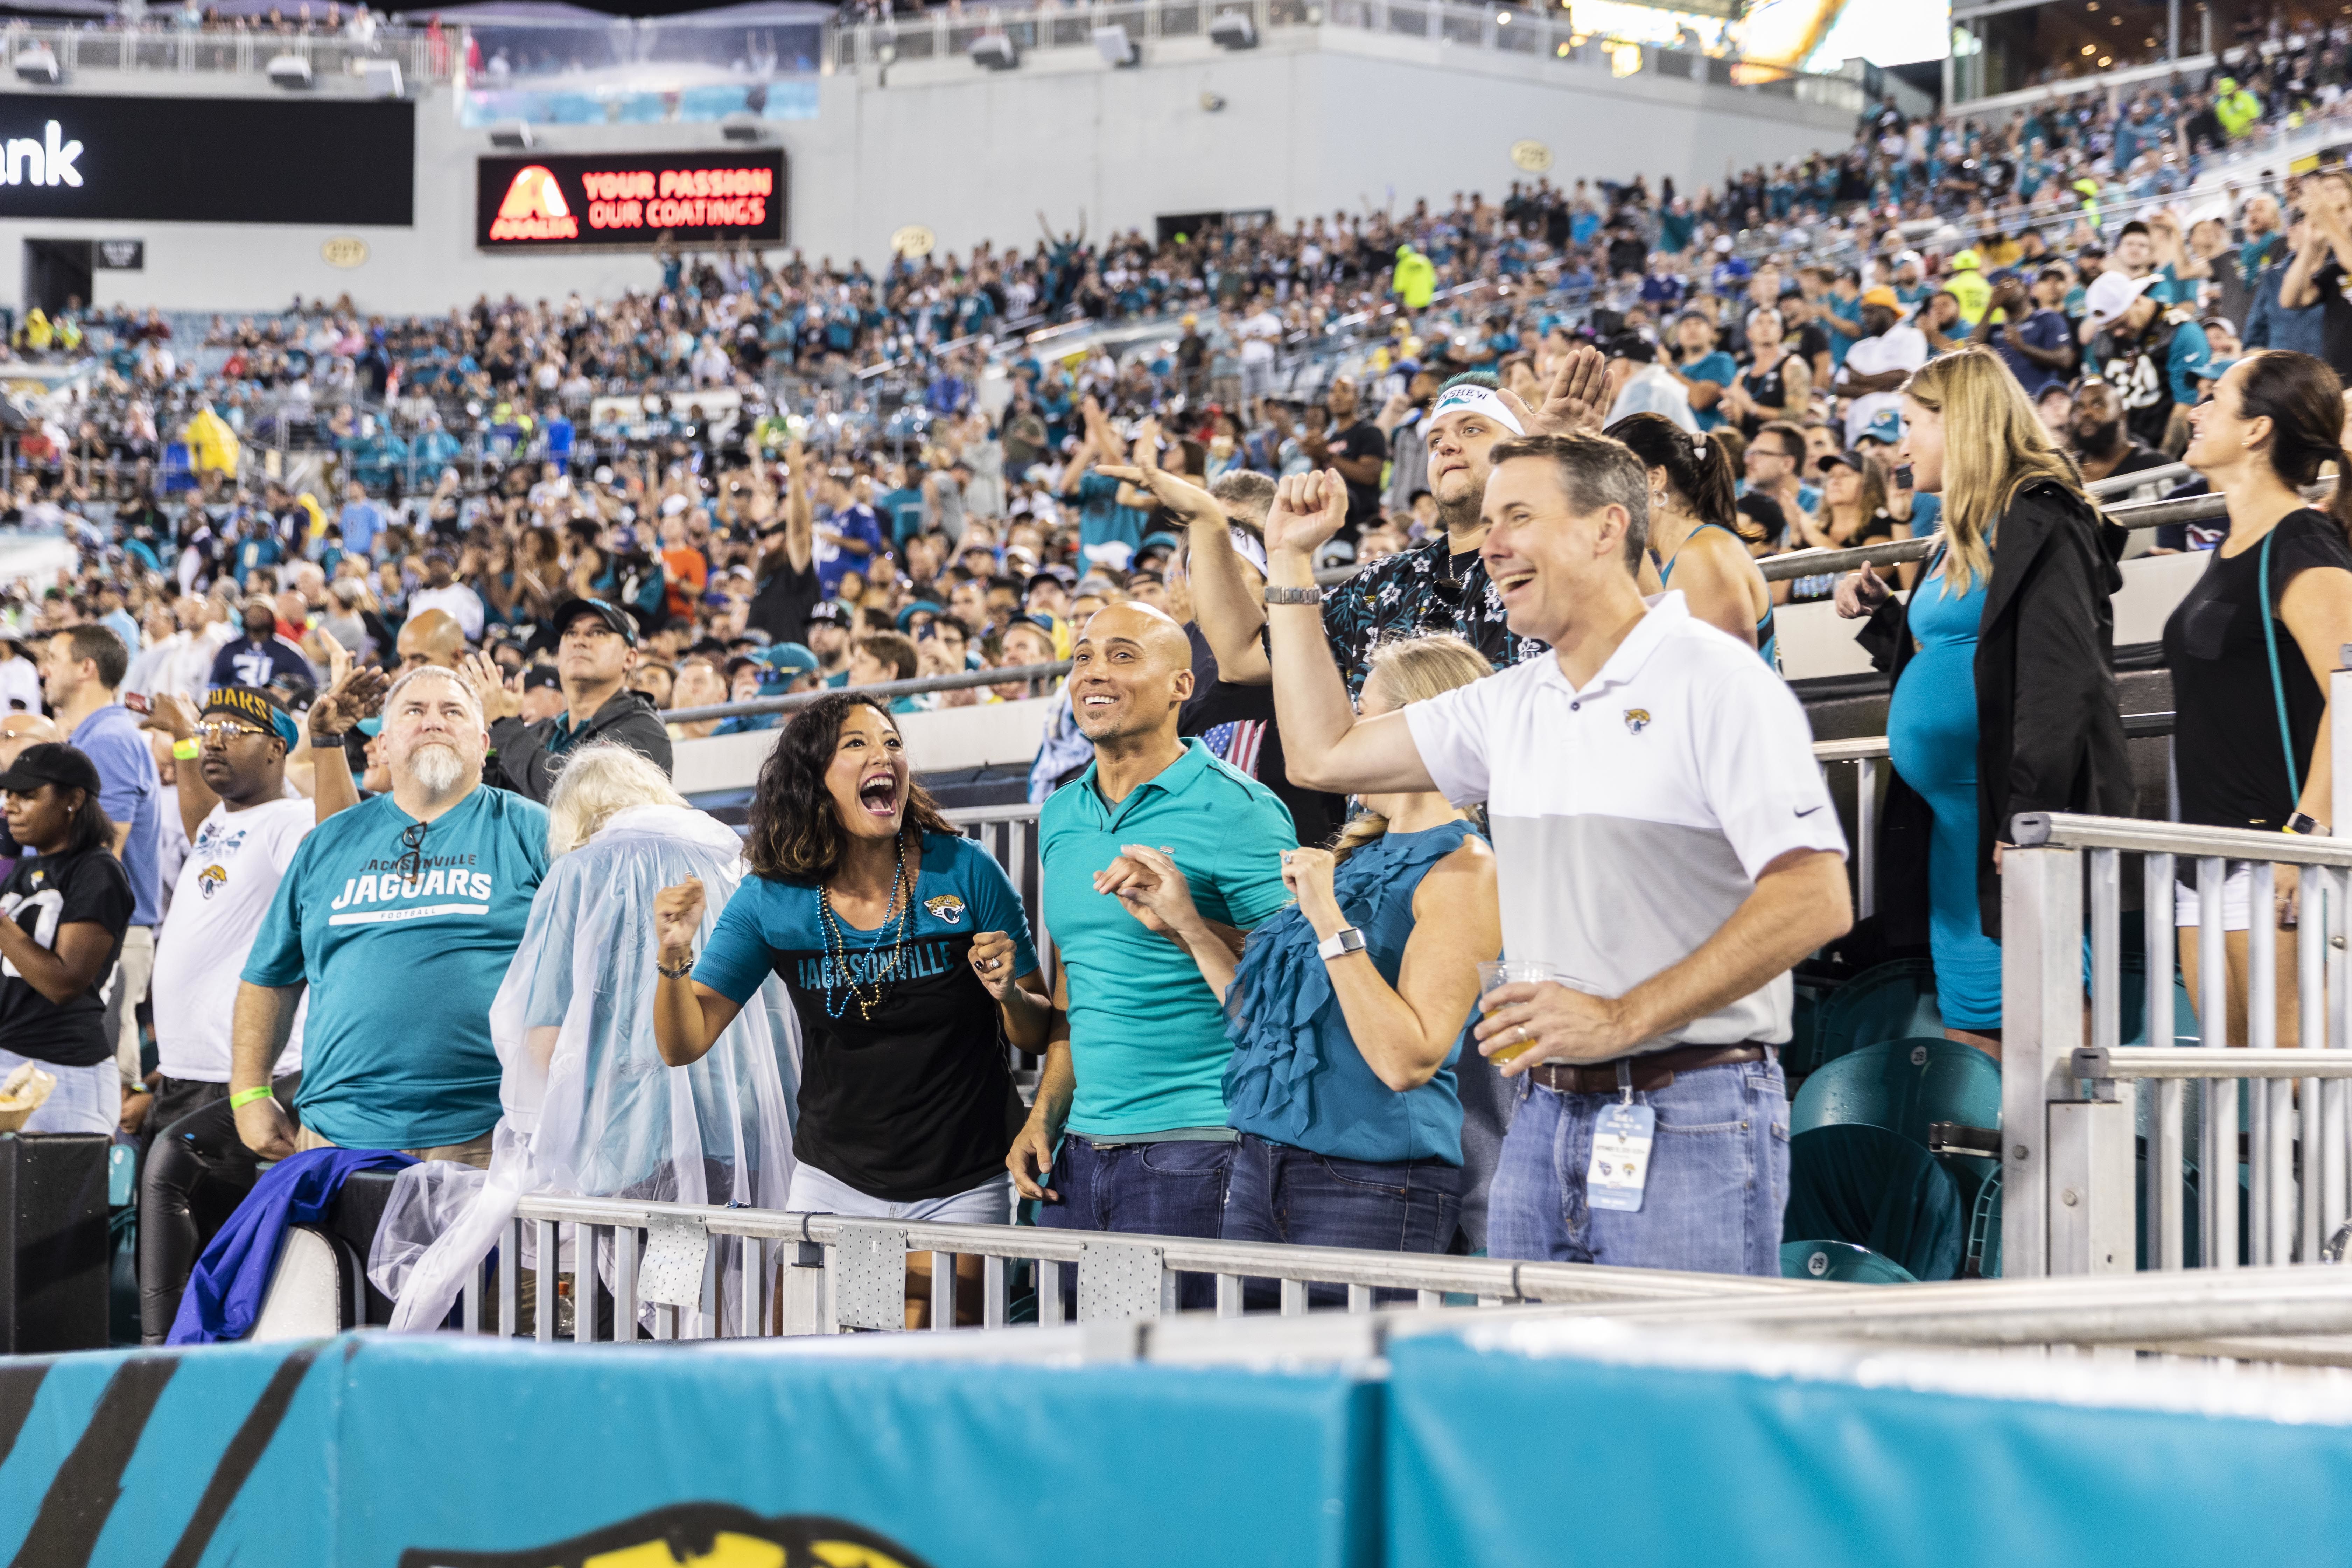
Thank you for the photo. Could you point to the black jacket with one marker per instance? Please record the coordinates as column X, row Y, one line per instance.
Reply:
column 524, row 764
column 2049, row 737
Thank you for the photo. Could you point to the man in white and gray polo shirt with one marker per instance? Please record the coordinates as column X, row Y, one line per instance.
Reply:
column 1664, row 837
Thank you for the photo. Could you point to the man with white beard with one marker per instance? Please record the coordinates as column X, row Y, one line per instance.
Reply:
column 400, row 915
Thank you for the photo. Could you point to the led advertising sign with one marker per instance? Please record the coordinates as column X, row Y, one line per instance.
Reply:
column 207, row 160
column 626, row 199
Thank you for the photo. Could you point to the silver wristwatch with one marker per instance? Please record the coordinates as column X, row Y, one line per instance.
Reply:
column 1341, row 942
column 1294, row 595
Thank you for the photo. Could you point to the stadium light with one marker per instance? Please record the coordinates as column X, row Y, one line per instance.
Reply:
column 291, row 72
column 1118, row 50
column 38, row 65
column 994, row 52
column 1233, row 30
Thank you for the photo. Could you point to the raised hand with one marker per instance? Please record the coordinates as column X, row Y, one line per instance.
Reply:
column 498, row 700
column 992, row 961
column 1861, row 593
column 172, row 713
column 677, row 917
column 1578, row 399
column 1309, row 510
column 356, row 694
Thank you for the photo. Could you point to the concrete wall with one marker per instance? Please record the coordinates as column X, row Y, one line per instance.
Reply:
column 1314, row 122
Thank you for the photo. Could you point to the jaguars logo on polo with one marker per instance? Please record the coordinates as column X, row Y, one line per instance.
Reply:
column 1636, row 719
column 212, row 880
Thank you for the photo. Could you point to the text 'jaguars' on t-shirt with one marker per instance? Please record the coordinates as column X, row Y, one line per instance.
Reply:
column 402, row 938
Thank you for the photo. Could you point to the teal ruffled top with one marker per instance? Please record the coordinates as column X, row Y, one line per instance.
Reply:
column 1295, row 1075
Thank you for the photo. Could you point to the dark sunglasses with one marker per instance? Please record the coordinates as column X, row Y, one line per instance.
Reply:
column 411, row 864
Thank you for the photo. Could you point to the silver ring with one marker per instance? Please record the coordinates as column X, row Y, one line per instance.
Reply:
column 1523, row 1034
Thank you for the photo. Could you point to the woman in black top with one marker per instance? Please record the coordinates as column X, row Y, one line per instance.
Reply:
column 67, row 906
column 2251, row 745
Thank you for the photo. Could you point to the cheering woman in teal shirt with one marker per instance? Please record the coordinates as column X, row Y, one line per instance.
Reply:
column 1347, row 1009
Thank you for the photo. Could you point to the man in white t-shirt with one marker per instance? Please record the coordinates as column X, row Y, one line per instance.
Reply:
column 442, row 591
column 243, row 828
column 1879, row 362
column 1667, row 848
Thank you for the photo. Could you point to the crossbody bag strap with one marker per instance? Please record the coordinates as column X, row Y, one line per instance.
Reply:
column 2278, row 685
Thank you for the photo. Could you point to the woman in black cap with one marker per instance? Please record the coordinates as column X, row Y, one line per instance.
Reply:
column 67, row 904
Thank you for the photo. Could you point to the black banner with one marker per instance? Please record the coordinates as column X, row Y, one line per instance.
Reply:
column 629, row 199
column 209, row 160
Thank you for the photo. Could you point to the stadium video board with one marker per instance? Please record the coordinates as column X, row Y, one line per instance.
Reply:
column 629, row 199
column 209, row 160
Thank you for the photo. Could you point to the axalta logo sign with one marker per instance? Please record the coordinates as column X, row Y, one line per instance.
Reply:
column 48, row 162
column 534, row 207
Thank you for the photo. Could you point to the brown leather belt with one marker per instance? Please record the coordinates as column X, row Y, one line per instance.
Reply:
column 1652, row 1070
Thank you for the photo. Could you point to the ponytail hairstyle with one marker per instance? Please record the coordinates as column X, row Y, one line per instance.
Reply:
column 1413, row 669
column 2303, row 401
column 1994, row 446
column 1699, row 468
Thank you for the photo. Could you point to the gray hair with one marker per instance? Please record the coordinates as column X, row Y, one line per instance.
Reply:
column 597, row 781
column 1595, row 471
column 473, row 698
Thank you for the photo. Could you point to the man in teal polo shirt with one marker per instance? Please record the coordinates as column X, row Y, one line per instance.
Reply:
column 1133, row 1086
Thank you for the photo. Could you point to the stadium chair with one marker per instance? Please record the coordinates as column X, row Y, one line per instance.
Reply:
column 1941, row 1094
column 316, row 1291
column 1886, row 1002
column 1878, row 1189
column 178, row 473
column 1841, row 1261
column 1980, row 1259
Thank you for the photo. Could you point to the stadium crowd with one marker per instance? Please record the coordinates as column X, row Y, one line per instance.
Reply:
column 276, row 739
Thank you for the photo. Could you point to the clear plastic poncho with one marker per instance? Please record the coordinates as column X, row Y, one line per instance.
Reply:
column 590, row 1109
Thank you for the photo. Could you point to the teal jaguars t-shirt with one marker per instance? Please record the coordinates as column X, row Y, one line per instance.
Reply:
column 401, row 967
column 906, row 1093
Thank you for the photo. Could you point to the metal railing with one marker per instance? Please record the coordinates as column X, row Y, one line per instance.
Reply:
column 2071, row 1202
column 223, row 51
column 680, row 1271
column 754, row 1273
column 2124, row 514
column 943, row 34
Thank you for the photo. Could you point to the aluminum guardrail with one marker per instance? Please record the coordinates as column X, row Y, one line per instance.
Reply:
column 682, row 1271
column 791, row 1274
column 2071, row 1200
column 947, row 33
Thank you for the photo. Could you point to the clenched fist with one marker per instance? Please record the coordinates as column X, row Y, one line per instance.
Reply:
column 678, row 919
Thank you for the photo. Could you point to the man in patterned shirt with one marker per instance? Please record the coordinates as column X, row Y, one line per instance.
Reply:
column 1439, row 585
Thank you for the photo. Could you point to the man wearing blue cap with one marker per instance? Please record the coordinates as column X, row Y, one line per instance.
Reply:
column 596, row 646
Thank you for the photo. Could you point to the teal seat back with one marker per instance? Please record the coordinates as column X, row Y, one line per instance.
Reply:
column 1886, row 1002
column 1841, row 1261
column 1876, row 1189
column 1903, row 1086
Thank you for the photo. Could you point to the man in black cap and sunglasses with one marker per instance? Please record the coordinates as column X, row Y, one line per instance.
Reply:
column 596, row 646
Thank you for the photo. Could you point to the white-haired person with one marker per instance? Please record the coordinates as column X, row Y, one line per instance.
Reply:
column 590, row 1107
column 399, row 916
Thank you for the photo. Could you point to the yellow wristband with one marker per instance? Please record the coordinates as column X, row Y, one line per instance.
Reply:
column 245, row 1097
column 187, row 751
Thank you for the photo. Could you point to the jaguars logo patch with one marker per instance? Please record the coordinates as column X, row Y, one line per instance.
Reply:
column 212, row 880
column 697, row 1535
column 947, row 908
column 1636, row 719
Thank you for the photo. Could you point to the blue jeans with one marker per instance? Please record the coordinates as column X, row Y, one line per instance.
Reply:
column 1719, row 1177
column 1283, row 1194
column 1140, row 1189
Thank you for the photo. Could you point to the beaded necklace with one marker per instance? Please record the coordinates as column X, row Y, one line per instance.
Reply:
column 902, row 900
